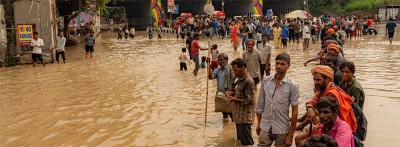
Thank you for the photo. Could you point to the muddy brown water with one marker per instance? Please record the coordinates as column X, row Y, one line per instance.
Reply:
column 133, row 94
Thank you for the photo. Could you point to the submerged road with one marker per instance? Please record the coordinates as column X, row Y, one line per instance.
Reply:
column 133, row 94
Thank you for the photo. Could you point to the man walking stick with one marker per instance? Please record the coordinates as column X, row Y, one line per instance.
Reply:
column 208, row 73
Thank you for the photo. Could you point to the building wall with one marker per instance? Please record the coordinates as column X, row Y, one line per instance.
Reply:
column 3, row 35
column 42, row 14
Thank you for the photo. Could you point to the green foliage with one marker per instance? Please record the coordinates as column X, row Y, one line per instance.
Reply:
column 317, row 6
column 110, row 12
column 363, row 5
column 341, row 6
column 336, row 8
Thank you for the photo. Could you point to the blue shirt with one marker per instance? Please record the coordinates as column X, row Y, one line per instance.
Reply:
column 266, row 30
column 285, row 33
column 214, row 25
column 390, row 26
column 219, row 73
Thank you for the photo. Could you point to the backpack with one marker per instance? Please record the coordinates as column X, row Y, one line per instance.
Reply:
column 362, row 123
column 357, row 142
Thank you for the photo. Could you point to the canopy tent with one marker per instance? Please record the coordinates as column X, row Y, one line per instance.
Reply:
column 218, row 14
column 298, row 14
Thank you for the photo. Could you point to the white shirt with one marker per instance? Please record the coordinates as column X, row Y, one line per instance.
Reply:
column 306, row 32
column 61, row 43
column 38, row 42
column 133, row 32
column 265, row 51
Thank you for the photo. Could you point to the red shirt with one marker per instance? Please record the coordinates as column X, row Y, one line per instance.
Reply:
column 369, row 22
column 195, row 48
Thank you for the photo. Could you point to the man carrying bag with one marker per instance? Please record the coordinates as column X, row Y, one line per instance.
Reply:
column 225, row 81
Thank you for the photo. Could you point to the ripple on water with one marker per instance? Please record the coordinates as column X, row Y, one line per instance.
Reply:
column 132, row 93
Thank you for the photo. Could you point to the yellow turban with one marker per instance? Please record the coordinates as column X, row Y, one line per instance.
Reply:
column 324, row 70
column 335, row 47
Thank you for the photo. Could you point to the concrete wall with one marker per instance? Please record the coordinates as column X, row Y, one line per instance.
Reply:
column 3, row 35
column 42, row 13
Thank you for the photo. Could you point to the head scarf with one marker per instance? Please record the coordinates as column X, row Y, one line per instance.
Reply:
column 330, row 31
column 335, row 47
column 324, row 70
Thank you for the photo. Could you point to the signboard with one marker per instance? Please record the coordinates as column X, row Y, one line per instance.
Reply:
column 208, row 9
column 176, row 10
column 25, row 34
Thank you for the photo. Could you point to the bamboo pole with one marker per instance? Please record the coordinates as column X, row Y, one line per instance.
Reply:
column 207, row 79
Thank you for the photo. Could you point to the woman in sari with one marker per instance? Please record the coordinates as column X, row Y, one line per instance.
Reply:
column 277, row 36
column 234, row 36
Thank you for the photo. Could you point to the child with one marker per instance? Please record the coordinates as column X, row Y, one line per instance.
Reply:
column 203, row 62
column 214, row 57
column 183, row 58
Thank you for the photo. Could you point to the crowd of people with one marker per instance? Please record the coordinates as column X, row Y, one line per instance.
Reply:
column 334, row 113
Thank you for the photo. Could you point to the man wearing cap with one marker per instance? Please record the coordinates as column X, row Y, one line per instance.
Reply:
column 195, row 47
column 323, row 77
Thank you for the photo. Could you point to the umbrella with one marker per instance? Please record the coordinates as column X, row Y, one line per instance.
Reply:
column 298, row 14
column 219, row 14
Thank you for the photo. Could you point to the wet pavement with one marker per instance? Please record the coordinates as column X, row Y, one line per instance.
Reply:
column 133, row 94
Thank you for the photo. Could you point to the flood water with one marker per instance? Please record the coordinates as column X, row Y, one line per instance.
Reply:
column 133, row 94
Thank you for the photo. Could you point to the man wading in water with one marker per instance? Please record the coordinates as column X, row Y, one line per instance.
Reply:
column 195, row 47
column 243, row 99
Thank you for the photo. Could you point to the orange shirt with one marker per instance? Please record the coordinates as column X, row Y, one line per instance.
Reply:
column 346, row 112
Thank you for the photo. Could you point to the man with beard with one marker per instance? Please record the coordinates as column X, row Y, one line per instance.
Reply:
column 323, row 77
column 225, row 79
column 332, row 125
column 243, row 101
column 276, row 94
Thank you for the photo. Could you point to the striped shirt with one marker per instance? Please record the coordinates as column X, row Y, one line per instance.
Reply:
column 273, row 104
column 243, row 112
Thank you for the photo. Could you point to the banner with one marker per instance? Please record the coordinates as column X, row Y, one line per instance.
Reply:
column 156, row 11
column 258, row 7
column 176, row 10
column 25, row 34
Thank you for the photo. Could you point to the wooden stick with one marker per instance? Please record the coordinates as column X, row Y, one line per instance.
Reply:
column 208, row 73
